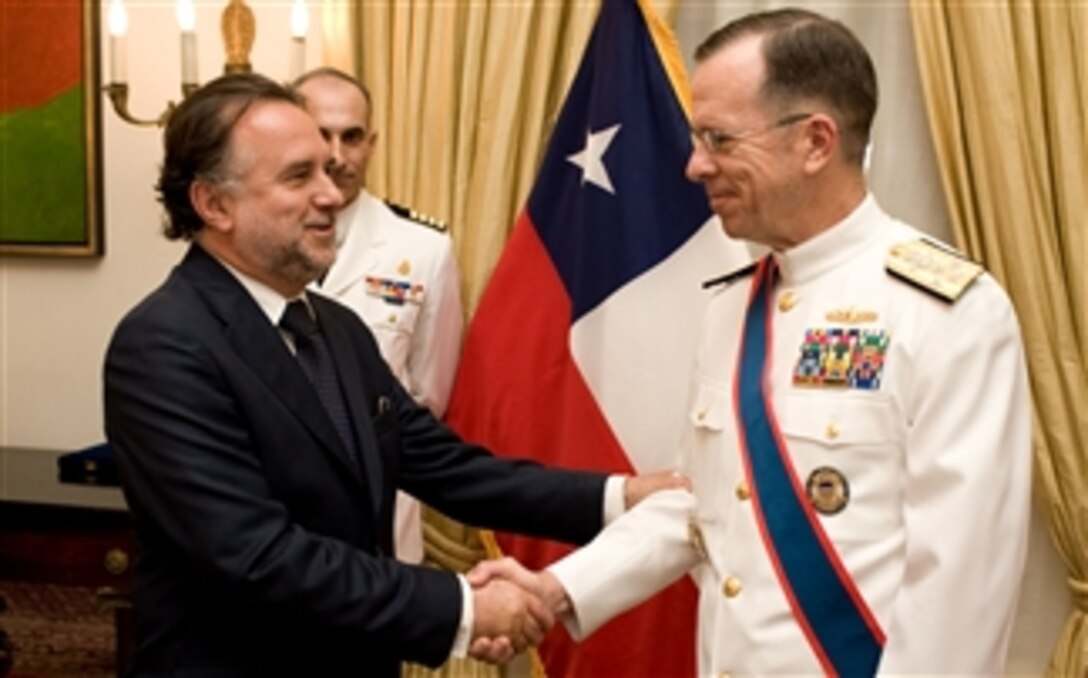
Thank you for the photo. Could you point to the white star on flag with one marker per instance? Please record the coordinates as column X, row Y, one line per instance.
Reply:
column 591, row 158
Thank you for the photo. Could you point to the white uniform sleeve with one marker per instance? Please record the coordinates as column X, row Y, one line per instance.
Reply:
column 967, row 494
column 436, row 340
column 642, row 552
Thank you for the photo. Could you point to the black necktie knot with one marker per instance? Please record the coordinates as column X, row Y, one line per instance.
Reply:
column 297, row 320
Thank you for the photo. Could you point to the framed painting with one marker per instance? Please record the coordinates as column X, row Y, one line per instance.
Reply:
column 50, row 128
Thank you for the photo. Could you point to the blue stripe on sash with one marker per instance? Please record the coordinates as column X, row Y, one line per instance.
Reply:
column 845, row 639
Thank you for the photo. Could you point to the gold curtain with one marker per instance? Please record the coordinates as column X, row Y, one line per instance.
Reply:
column 1006, row 86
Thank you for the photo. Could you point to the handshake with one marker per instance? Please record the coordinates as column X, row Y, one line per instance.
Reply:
column 514, row 608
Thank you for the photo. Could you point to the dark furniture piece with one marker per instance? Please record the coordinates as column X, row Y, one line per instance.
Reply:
column 63, row 521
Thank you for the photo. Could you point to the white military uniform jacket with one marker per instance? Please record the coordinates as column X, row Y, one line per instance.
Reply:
column 400, row 276
column 935, row 466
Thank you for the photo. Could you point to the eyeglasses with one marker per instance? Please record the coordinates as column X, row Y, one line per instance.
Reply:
column 717, row 141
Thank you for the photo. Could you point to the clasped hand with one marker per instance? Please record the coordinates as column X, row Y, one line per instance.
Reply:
column 514, row 608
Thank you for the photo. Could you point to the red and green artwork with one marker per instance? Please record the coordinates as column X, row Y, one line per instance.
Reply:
column 44, row 141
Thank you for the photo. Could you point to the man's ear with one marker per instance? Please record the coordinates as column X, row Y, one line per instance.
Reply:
column 212, row 202
column 822, row 140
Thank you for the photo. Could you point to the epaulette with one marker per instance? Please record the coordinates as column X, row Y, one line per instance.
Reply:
column 932, row 268
column 411, row 214
column 730, row 277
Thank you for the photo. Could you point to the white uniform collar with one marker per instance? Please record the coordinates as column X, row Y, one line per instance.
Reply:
column 346, row 217
column 359, row 235
column 832, row 247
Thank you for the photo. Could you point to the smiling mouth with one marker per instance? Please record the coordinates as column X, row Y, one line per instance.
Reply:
column 342, row 177
column 321, row 225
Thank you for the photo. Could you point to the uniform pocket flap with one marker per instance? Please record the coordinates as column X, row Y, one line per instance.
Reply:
column 840, row 419
column 710, row 407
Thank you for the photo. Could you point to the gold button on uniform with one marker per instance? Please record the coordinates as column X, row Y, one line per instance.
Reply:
column 833, row 430
column 731, row 587
column 392, row 318
column 743, row 493
column 787, row 300
column 700, row 415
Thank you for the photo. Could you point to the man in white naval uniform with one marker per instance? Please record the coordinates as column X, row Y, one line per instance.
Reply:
column 393, row 267
column 859, row 440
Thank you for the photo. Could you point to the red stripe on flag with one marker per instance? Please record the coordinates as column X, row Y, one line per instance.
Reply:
column 519, row 392
column 517, row 380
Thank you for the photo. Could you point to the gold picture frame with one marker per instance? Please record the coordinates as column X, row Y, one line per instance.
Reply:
column 50, row 129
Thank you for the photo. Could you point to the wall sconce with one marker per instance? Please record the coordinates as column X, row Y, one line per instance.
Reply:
column 239, row 30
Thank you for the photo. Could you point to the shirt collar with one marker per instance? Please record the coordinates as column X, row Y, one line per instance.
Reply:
column 832, row 247
column 271, row 302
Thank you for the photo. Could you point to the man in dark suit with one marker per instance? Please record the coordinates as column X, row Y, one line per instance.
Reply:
column 262, row 498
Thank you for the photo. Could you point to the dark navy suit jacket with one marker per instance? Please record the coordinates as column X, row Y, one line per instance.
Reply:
column 265, row 549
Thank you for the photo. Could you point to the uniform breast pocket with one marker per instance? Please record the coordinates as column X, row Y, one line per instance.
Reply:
column 395, row 318
column 848, row 453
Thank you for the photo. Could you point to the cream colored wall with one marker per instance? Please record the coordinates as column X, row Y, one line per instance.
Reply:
column 56, row 315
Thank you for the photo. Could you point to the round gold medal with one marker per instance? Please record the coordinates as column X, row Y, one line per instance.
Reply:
column 828, row 490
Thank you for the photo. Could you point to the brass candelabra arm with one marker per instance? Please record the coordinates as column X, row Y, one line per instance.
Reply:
column 118, row 94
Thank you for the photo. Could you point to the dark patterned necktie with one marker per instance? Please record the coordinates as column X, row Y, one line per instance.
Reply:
column 314, row 357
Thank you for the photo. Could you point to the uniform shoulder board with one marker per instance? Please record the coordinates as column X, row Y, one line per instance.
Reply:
column 932, row 267
column 731, row 277
column 412, row 215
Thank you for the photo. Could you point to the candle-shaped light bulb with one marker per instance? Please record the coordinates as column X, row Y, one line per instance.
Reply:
column 118, row 21
column 300, row 19
column 187, row 22
column 300, row 23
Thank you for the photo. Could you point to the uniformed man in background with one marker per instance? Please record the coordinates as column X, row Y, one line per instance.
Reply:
column 860, row 430
column 393, row 267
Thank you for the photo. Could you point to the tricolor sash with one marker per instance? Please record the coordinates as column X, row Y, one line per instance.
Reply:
column 841, row 630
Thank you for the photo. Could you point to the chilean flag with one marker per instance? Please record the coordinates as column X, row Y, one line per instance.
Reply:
column 580, row 352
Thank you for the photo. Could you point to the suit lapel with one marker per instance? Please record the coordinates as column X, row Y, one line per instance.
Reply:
column 260, row 345
column 360, row 394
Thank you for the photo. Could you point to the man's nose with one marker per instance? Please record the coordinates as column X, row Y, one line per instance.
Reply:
column 328, row 196
column 336, row 152
column 699, row 163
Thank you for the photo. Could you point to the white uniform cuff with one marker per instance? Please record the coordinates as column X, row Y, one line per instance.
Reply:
column 629, row 561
